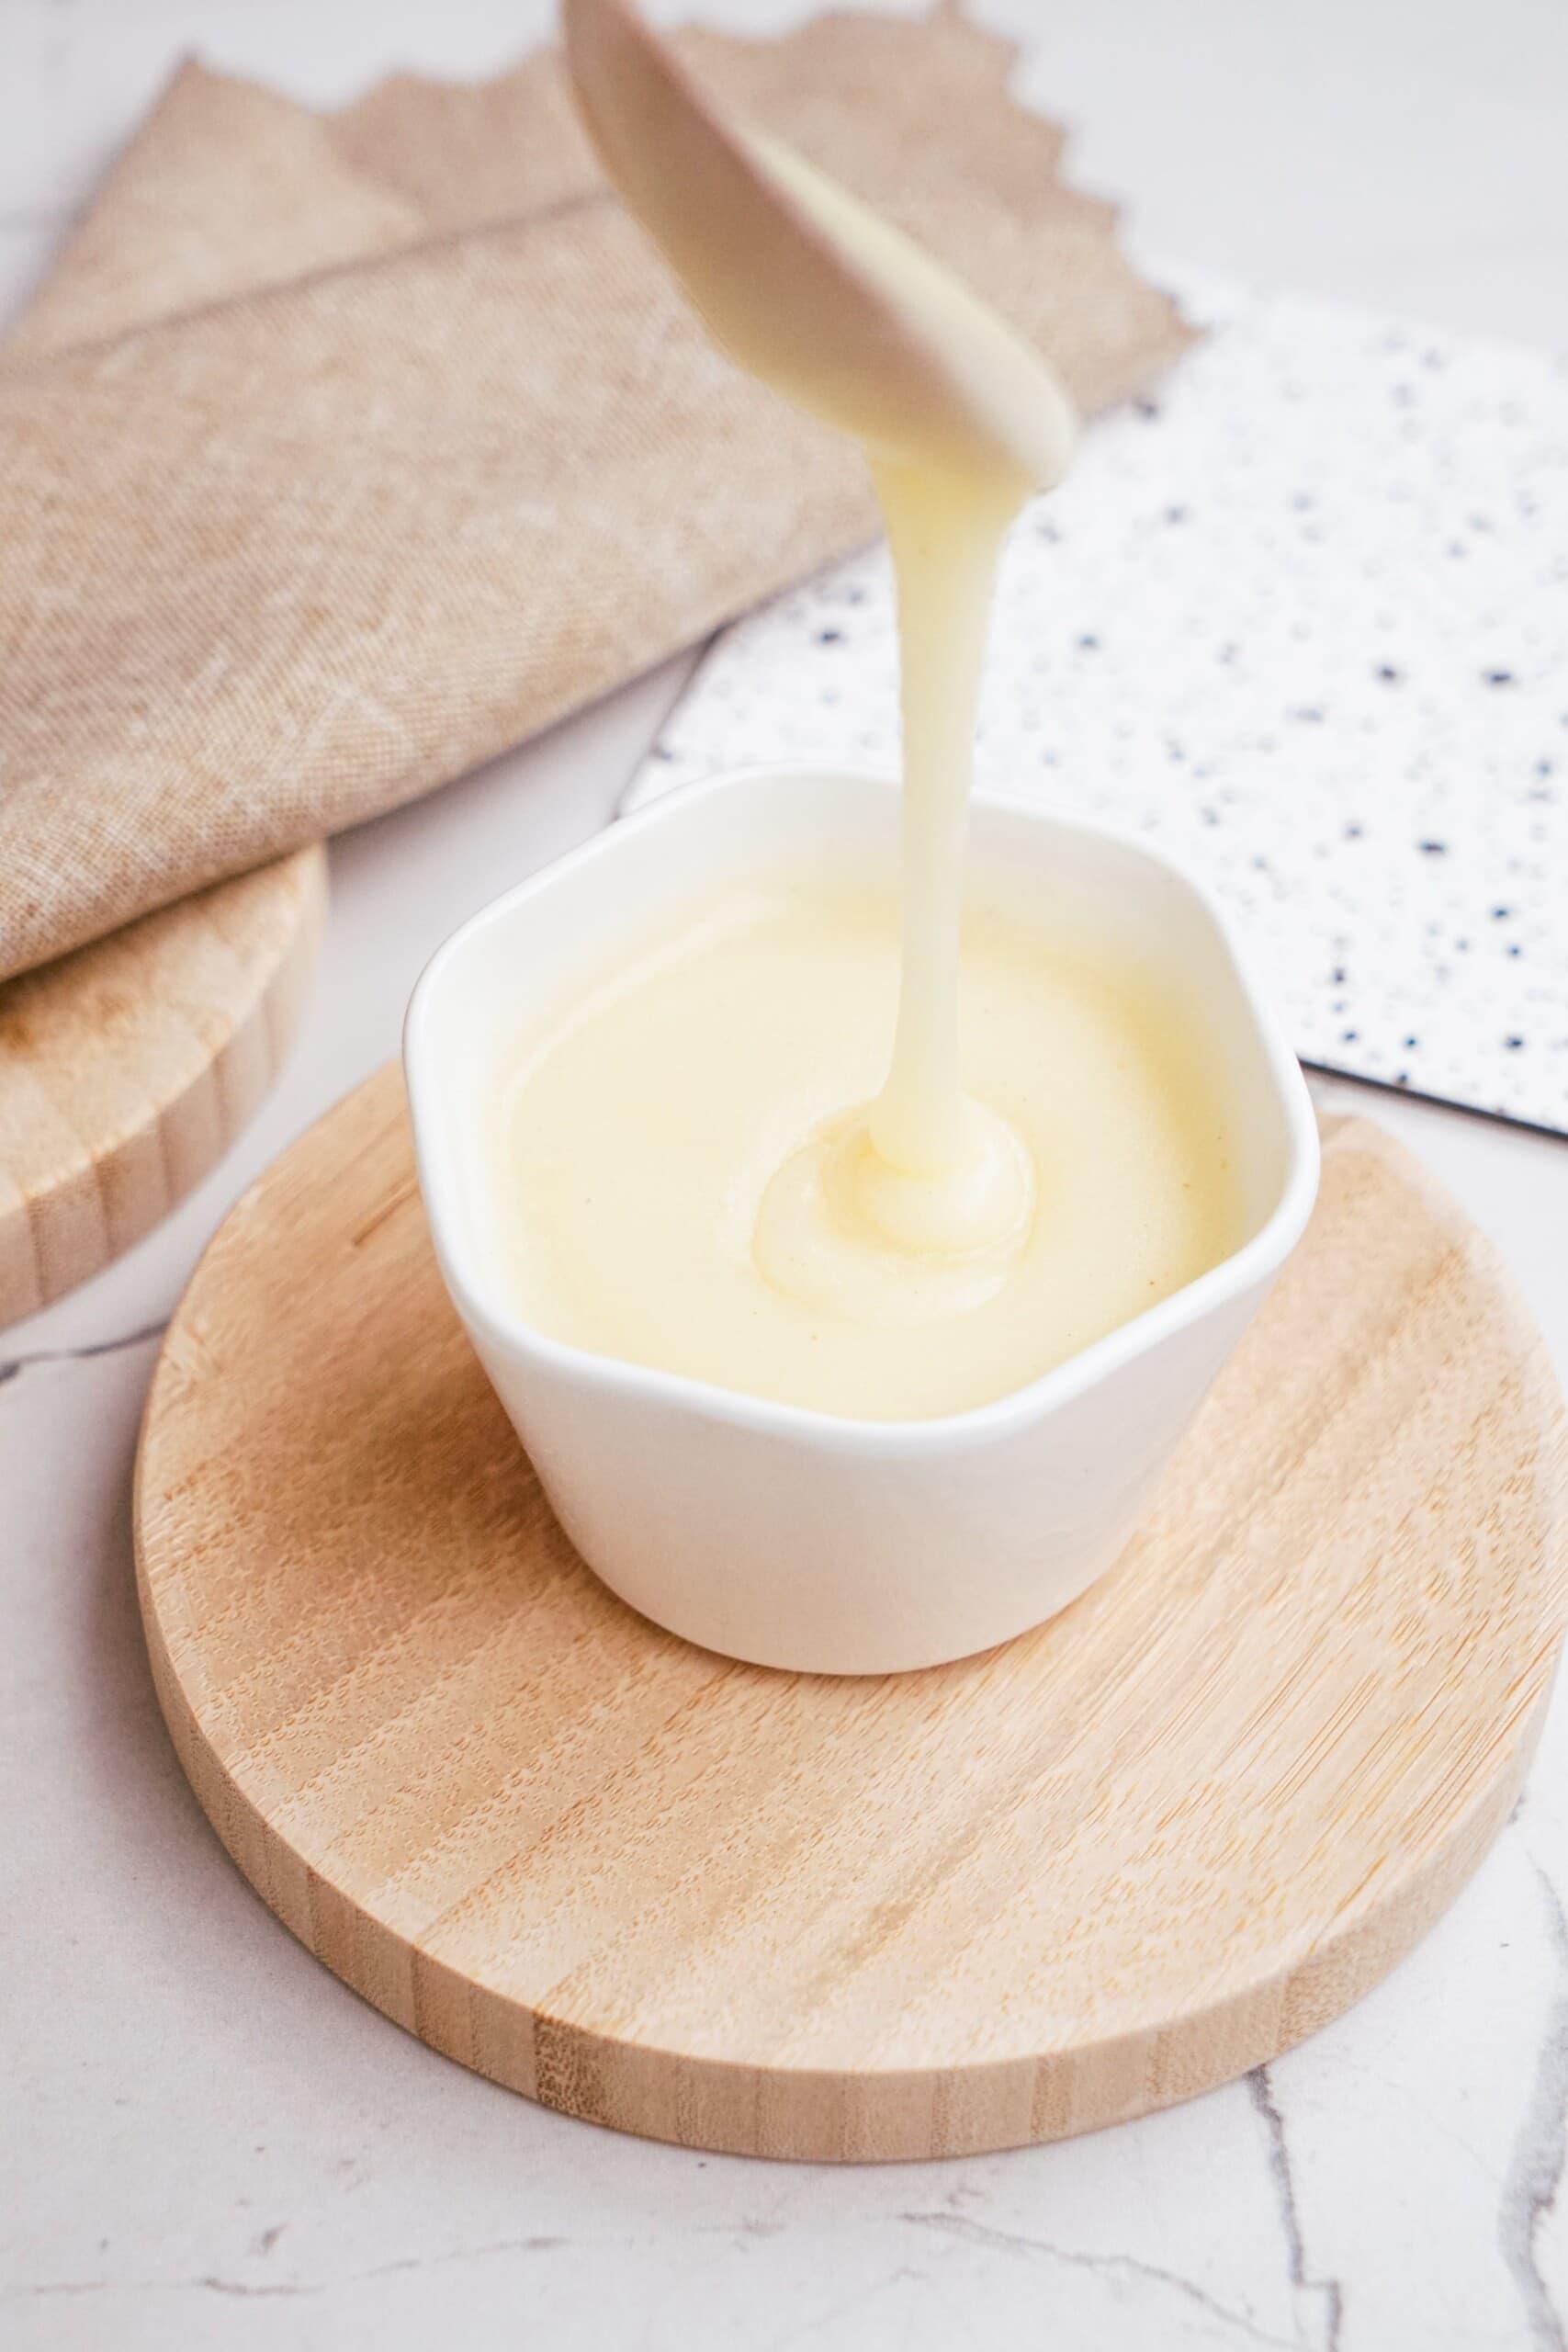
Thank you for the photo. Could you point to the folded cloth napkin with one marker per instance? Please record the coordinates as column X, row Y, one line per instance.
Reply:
column 342, row 452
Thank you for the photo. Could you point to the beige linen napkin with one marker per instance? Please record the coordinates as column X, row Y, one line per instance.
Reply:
column 342, row 452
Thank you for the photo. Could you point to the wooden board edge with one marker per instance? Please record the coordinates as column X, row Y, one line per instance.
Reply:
column 811, row 2115
column 186, row 1136
column 899, row 2116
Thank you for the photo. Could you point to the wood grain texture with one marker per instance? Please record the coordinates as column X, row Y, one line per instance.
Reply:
column 1103, row 1868
column 128, row 1068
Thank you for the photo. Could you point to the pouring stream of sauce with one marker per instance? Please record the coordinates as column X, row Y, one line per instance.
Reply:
column 961, row 420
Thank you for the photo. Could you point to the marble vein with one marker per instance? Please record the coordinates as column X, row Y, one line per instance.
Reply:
column 903, row 2275
column 1261, row 2092
column 1124, row 2266
column 212, row 2283
column 11, row 1366
column 1540, row 2149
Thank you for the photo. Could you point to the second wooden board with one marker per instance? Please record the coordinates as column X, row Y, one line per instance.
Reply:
column 1108, row 1865
column 127, row 1068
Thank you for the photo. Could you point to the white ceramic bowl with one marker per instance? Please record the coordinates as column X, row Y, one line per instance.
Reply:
column 799, row 1539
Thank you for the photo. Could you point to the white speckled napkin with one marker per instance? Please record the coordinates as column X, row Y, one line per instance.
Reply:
column 1303, row 620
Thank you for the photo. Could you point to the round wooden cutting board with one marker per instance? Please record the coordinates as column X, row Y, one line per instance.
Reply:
column 1100, row 1869
column 128, row 1068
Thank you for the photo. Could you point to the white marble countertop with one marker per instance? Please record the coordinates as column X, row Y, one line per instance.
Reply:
column 207, row 2140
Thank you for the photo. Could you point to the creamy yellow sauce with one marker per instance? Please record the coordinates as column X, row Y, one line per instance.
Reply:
column 638, row 1132
column 781, row 1150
